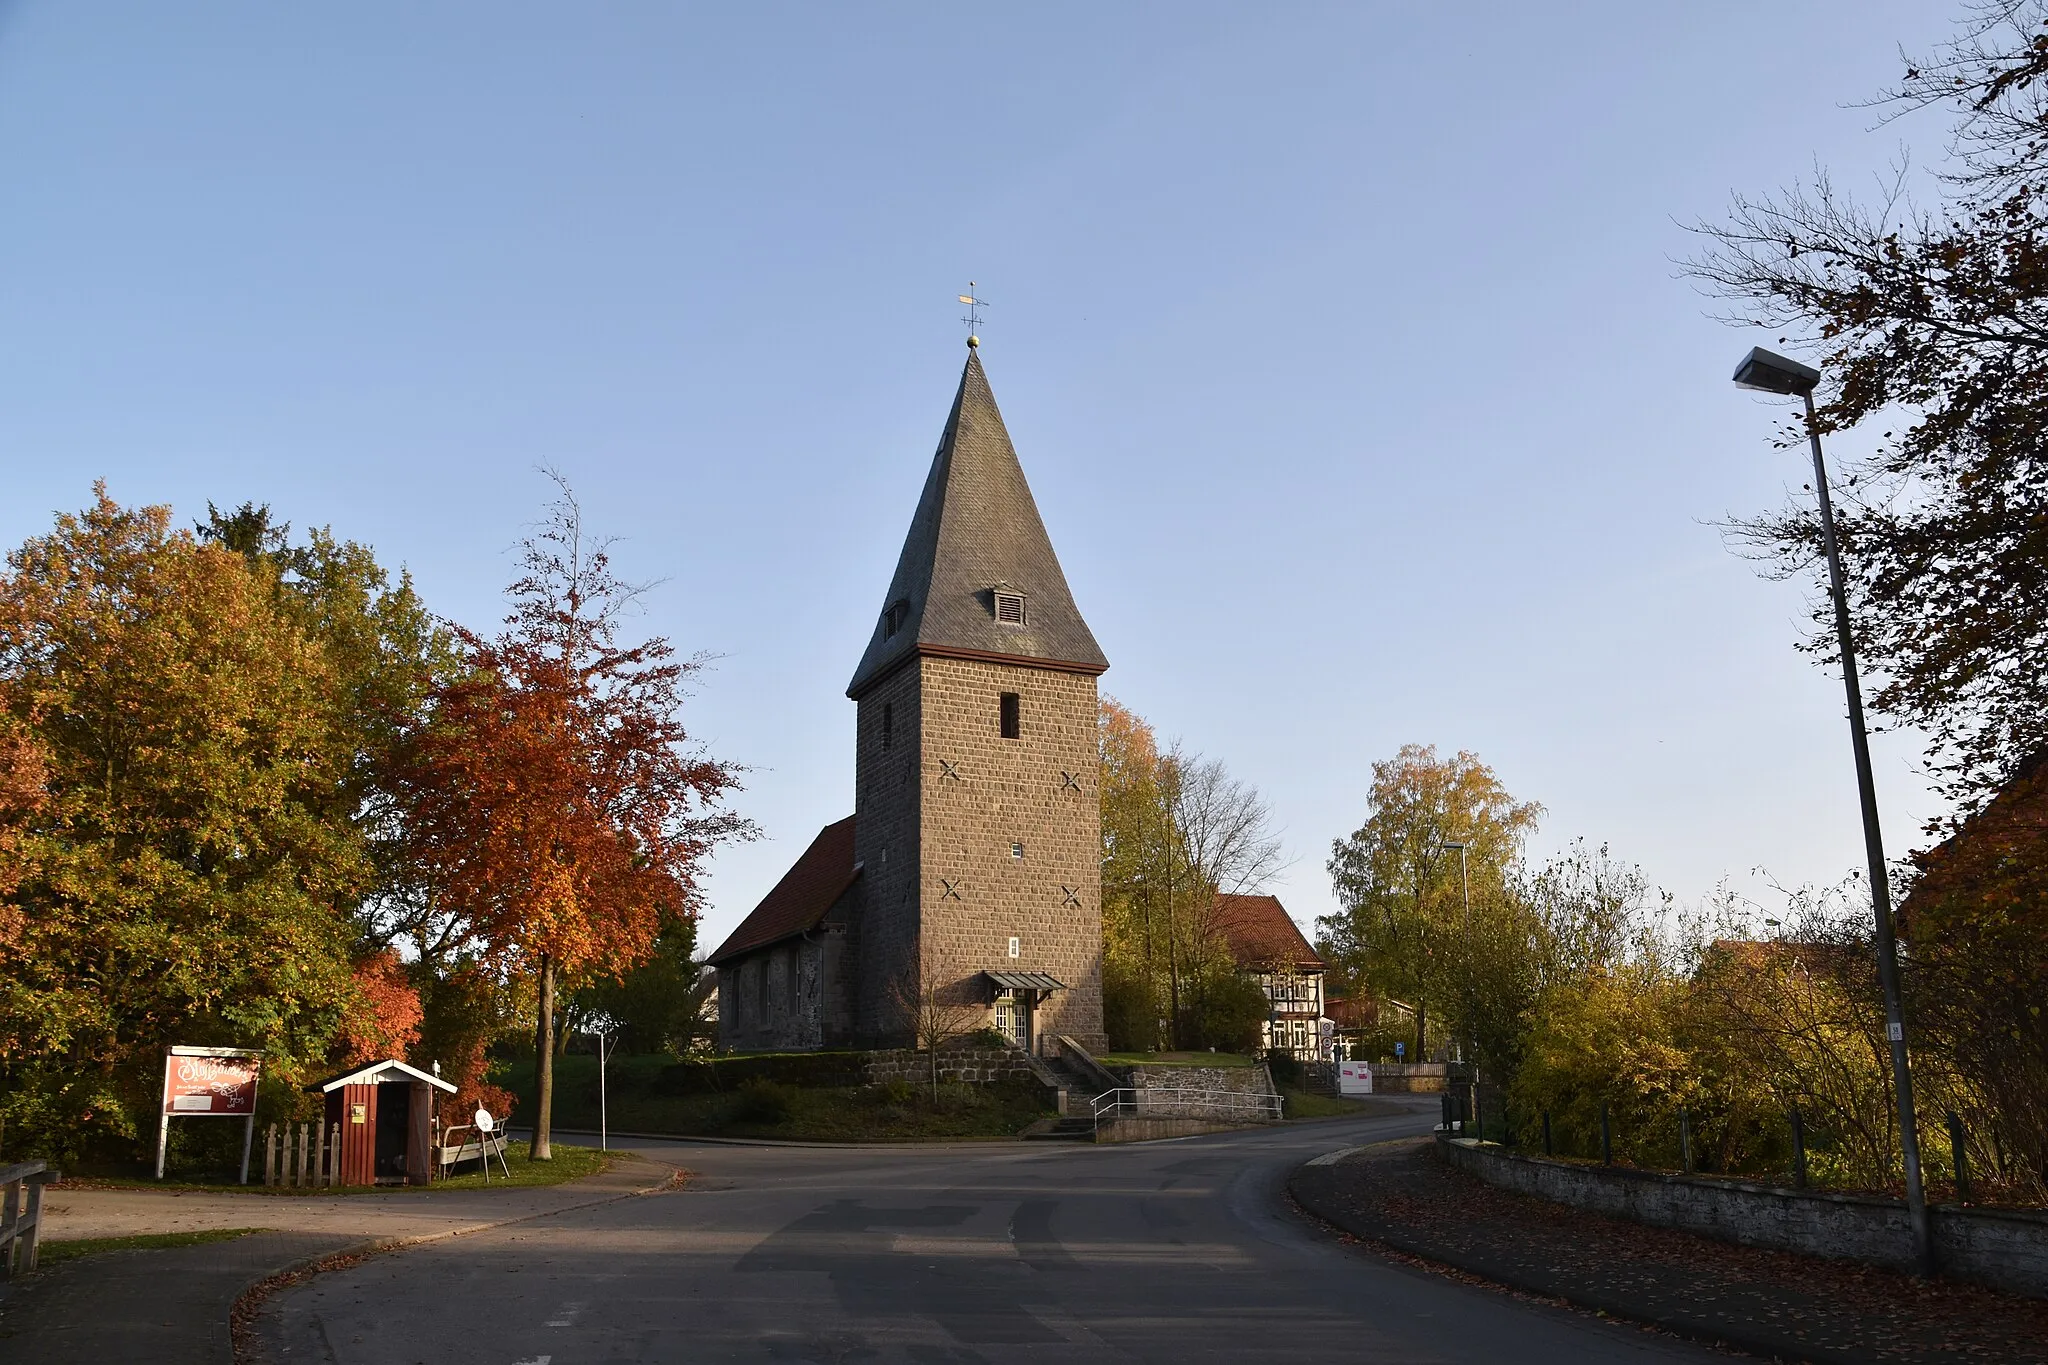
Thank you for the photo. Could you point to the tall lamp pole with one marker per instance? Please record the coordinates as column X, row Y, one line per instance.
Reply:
column 1770, row 373
column 1471, row 1039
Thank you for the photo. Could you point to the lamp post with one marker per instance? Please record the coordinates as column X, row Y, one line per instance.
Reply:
column 1470, row 1041
column 1769, row 373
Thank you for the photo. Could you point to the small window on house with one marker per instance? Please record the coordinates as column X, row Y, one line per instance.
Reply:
column 888, row 723
column 1009, row 607
column 893, row 618
column 1009, row 707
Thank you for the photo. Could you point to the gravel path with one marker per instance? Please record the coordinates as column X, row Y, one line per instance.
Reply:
column 1769, row 1302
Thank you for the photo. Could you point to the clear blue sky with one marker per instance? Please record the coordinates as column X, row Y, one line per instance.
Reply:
column 1343, row 346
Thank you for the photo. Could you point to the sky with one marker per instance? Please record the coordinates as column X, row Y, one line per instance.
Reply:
column 1345, row 346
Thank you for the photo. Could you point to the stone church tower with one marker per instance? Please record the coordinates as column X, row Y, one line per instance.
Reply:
column 978, row 824
column 972, row 864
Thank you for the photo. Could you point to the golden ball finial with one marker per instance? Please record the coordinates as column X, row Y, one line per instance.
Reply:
column 972, row 342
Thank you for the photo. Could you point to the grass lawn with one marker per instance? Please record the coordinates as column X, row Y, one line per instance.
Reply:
column 1232, row 1059
column 51, row 1253
column 1306, row 1104
column 570, row 1163
column 900, row 1113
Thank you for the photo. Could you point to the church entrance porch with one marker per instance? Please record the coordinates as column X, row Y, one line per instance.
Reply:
column 1017, row 996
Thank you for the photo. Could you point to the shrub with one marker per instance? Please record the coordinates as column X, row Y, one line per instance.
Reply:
column 763, row 1101
column 806, row 1070
column 1130, row 1015
column 1223, row 1011
column 896, row 1090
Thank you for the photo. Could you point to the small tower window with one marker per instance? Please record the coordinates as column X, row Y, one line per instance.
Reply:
column 892, row 619
column 1016, row 850
column 1010, row 607
column 1009, row 709
column 888, row 724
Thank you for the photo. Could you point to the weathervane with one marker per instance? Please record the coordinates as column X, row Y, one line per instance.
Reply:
column 973, row 318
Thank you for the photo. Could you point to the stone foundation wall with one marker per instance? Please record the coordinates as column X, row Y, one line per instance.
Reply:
column 1158, row 1088
column 1409, row 1078
column 958, row 1066
column 2001, row 1249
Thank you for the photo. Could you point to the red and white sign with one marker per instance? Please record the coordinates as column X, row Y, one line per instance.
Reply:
column 216, row 1081
column 1354, row 1078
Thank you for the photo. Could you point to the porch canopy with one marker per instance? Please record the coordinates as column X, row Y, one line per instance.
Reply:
column 1035, row 985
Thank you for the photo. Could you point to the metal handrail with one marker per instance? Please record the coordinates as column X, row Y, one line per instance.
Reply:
column 1180, row 1099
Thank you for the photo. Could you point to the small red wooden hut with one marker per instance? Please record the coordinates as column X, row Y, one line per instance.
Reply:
column 385, row 1111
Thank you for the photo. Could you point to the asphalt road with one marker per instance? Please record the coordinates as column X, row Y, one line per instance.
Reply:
column 1172, row 1252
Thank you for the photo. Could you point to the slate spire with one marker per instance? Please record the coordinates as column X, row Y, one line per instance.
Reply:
column 977, row 533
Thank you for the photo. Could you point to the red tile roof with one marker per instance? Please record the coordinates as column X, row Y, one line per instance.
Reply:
column 802, row 897
column 1259, row 933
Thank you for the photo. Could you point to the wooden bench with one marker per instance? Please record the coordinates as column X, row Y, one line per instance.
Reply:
column 21, row 1219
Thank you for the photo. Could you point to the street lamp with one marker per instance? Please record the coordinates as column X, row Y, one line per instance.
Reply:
column 1471, row 1038
column 1770, row 373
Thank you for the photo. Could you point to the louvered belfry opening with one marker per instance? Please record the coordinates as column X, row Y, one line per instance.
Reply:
column 1010, row 608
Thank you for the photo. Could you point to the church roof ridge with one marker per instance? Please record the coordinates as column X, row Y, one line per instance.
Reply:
column 976, row 531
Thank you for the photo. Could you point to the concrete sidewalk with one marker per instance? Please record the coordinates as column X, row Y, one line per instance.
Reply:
column 172, row 1305
column 74, row 1214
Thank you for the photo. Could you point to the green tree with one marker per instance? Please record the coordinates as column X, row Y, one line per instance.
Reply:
column 178, row 879
column 657, row 1006
column 1404, row 929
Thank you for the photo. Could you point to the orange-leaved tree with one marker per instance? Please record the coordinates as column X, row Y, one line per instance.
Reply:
column 554, row 802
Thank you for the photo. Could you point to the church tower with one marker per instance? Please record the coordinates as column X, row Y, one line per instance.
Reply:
column 978, row 824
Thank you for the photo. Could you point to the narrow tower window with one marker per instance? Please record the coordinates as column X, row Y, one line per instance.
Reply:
column 888, row 724
column 1009, row 713
column 1009, row 607
column 894, row 617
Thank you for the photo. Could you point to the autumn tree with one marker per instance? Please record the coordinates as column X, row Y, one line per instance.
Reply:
column 555, row 805
column 1177, row 829
column 1975, row 932
column 1931, row 322
column 1403, row 929
column 176, row 876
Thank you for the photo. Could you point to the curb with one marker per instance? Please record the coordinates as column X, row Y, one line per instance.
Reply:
column 905, row 1146
column 1758, row 1344
column 249, row 1300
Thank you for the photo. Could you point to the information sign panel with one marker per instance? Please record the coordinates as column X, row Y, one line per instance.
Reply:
column 217, row 1081
column 209, row 1082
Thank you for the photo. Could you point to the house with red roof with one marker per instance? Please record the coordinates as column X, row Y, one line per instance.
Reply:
column 1266, row 944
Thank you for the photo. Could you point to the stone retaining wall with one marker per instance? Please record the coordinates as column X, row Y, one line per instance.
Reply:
column 2004, row 1250
column 1409, row 1078
column 1155, row 1086
column 963, row 1066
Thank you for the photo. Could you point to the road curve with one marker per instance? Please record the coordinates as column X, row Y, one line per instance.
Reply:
column 943, row 1255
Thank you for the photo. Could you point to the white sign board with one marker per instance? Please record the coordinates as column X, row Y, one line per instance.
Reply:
column 1354, row 1078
